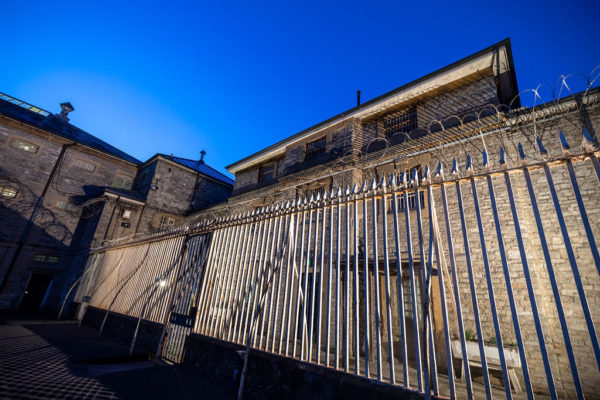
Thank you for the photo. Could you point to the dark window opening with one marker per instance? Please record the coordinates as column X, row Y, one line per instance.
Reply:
column 267, row 172
column 400, row 122
column 315, row 147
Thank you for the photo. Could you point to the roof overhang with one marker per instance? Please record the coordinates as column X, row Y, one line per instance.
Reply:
column 495, row 60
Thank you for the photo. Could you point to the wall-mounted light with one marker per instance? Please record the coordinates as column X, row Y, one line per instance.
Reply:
column 126, row 214
column 162, row 283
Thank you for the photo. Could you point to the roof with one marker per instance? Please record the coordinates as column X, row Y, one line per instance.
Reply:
column 42, row 119
column 200, row 166
column 416, row 84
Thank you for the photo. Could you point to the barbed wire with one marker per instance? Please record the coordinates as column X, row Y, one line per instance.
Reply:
column 516, row 133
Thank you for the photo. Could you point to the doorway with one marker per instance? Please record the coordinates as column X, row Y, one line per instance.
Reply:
column 35, row 293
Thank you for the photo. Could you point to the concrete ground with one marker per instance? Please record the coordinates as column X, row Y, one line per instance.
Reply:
column 41, row 358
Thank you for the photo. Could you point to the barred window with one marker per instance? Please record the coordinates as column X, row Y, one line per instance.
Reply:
column 316, row 147
column 123, row 182
column 167, row 222
column 25, row 146
column 267, row 172
column 412, row 201
column 8, row 192
column 400, row 122
column 408, row 305
column 87, row 166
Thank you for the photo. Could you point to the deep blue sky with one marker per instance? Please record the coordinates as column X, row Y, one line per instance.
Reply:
column 233, row 78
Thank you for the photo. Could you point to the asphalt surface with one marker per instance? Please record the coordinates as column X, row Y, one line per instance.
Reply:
column 41, row 358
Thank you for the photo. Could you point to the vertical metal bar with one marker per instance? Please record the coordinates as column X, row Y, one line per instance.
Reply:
column 288, row 286
column 574, row 268
column 583, row 214
column 330, row 264
column 356, row 288
column 347, row 290
column 260, row 277
column 386, row 267
column 321, row 263
column 534, row 309
column 299, row 292
column 441, row 262
column 222, row 288
column 483, row 358
column 209, row 280
column 231, row 279
column 241, row 271
column 266, row 277
column 305, row 286
column 366, row 280
column 492, row 296
column 461, row 329
column 377, row 304
column 241, row 291
column 429, row 362
column 287, row 247
column 413, row 293
column 278, row 246
column 554, row 285
column 216, row 281
column 251, row 281
column 337, row 280
column 292, row 267
column 400, row 290
column 313, row 286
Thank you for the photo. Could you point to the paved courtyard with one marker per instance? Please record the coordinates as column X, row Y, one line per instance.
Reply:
column 47, row 359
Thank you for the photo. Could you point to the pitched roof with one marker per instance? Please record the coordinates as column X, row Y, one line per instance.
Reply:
column 201, row 167
column 42, row 119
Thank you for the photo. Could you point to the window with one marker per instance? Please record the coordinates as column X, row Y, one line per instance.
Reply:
column 21, row 145
column 87, row 166
column 406, row 292
column 8, row 192
column 45, row 258
column 315, row 147
column 67, row 205
column 412, row 201
column 267, row 172
column 400, row 122
column 167, row 222
column 123, row 182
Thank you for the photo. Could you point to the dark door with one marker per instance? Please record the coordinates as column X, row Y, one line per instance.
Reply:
column 35, row 292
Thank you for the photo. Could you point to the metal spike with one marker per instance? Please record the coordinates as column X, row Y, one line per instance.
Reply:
column 373, row 185
column 469, row 163
column 415, row 175
column 426, row 172
column 438, row 170
column 454, row 167
column 382, row 183
column 332, row 193
column 541, row 147
column 339, row 192
column 318, row 196
column 563, row 141
column 347, row 192
column 363, row 188
column 485, row 159
column 312, row 198
column 355, row 189
column 404, row 177
column 392, row 181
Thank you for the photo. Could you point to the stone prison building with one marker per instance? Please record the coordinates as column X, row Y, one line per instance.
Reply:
column 438, row 240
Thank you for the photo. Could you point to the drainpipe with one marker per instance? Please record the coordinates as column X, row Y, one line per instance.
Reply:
column 34, row 213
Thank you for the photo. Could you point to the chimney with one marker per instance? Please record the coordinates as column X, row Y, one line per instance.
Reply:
column 66, row 108
column 202, row 154
column 358, row 98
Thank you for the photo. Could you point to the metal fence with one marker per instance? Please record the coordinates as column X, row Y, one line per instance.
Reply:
column 473, row 279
